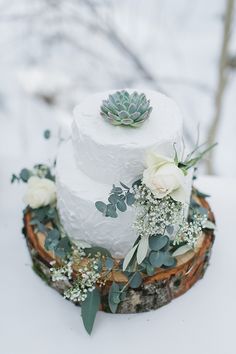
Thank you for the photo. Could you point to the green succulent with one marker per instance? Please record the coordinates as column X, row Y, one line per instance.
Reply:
column 123, row 108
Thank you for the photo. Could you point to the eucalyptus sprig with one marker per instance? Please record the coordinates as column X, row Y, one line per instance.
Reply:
column 40, row 170
column 119, row 199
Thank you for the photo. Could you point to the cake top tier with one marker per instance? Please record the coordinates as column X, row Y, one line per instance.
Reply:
column 111, row 153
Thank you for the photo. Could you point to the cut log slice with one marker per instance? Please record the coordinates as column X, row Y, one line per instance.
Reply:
column 155, row 291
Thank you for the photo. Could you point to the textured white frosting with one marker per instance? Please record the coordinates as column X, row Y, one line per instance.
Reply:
column 76, row 195
column 101, row 154
column 110, row 153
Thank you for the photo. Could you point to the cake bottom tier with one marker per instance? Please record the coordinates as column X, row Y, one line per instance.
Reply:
column 155, row 291
column 76, row 197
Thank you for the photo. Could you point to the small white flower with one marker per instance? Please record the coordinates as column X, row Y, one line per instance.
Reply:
column 163, row 178
column 40, row 192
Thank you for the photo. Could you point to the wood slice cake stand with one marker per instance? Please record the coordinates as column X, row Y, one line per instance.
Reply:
column 155, row 291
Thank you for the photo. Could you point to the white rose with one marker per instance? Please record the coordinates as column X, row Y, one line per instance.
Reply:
column 163, row 178
column 41, row 192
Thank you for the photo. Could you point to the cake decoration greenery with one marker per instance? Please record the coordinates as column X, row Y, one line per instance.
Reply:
column 163, row 230
column 127, row 109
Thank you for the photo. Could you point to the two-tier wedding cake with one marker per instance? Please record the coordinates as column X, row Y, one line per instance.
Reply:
column 100, row 155
column 118, row 225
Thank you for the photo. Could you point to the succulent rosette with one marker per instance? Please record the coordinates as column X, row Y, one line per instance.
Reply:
column 123, row 108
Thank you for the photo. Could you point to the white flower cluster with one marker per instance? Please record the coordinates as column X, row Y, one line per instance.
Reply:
column 62, row 273
column 40, row 192
column 88, row 276
column 190, row 231
column 154, row 215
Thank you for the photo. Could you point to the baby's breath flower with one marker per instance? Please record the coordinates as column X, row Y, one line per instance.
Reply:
column 154, row 215
column 189, row 232
column 87, row 277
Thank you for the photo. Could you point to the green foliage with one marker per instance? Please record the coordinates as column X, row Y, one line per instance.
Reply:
column 47, row 134
column 102, row 207
column 193, row 157
column 40, row 170
column 135, row 280
column 114, row 297
column 130, row 199
column 109, row 263
column 196, row 208
column 159, row 255
column 118, row 199
column 122, row 108
column 181, row 250
column 89, row 309
column 201, row 194
column 129, row 257
column 157, row 242
column 23, row 176
column 52, row 239
column 161, row 258
column 63, row 248
column 142, row 249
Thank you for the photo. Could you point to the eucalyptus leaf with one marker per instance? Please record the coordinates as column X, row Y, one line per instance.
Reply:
column 25, row 174
column 150, row 269
column 102, row 207
column 113, row 199
column 41, row 213
column 111, row 211
column 135, row 280
column 52, row 239
column 38, row 225
column 117, row 190
column 113, row 297
column 156, row 259
column 129, row 256
column 99, row 265
column 130, row 199
column 63, row 248
column 156, row 243
column 181, row 250
column 14, row 178
column 47, row 134
column 142, row 249
column 121, row 206
column 89, row 309
column 124, row 186
column 202, row 195
column 168, row 260
column 109, row 263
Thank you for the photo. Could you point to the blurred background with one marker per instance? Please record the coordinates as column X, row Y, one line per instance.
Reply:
column 54, row 52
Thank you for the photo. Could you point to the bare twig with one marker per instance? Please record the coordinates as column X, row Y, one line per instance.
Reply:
column 222, row 80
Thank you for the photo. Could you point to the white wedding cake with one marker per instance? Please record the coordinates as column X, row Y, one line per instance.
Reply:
column 99, row 155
